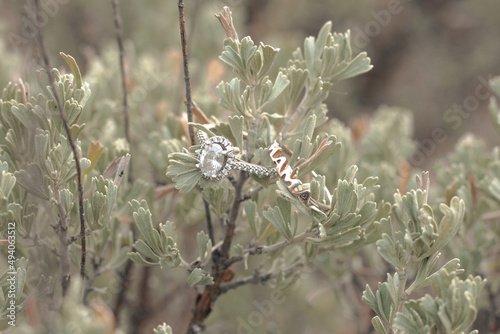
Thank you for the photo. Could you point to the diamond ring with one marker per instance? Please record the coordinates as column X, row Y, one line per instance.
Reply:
column 216, row 158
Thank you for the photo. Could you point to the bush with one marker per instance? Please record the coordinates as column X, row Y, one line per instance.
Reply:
column 158, row 213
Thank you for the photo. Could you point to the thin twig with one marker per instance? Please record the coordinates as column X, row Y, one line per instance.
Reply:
column 209, row 221
column 189, row 102
column 123, row 277
column 282, row 244
column 221, row 261
column 119, row 40
column 260, row 279
column 142, row 311
column 41, row 242
column 46, row 63
column 251, row 193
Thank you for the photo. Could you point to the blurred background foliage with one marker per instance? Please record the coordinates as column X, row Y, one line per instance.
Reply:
column 428, row 57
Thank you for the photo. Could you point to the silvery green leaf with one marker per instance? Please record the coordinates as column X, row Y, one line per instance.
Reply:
column 297, row 78
column 268, row 55
column 359, row 65
column 24, row 114
column 231, row 97
column 205, row 247
column 448, row 226
column 322, row 231
column 137, row 258
column 97, row 201
column 392, row 251
column 388, row 297
column 346, row 199
column 169, row 233
column 143, row 220
column 351, row 173
column 424, row 270
column 344, row 238
column 186, row 176
column 219, row 198
column 279, row 86
column 323, row 35
column 413, row 319
column 162, row 329
column 275, row 216
column 236, row 123
column 285, row 193
column 378, row 326
column 318, row 93
column 111, row 193
column 74, row 69
column 319, row 158
column 231, row 56
column 451, row 267
column 297, row 148
column 197, row 277
column 7, row 183
column 146, row 251
column 254, row 66
column 369, row 298
column 309, row 126
column 247, row 50
column 266, row 88
column 33, row 180
column 250, row 210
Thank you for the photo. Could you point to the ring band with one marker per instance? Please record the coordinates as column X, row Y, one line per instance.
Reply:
column 216, row 159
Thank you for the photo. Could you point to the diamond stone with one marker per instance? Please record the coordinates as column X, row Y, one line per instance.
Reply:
column 212, row 160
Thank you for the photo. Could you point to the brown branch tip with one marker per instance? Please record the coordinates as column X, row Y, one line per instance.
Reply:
column 226, row 21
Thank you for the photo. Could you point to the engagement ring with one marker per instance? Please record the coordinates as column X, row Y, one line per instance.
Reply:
column 216, row 158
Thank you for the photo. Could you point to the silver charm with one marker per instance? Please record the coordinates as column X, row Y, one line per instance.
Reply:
column 286, row 173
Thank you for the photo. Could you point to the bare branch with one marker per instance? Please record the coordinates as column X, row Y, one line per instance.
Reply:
column 187, row 82
column 119, row 39
column 46, row 63
column 260, row 279
column 282, row 244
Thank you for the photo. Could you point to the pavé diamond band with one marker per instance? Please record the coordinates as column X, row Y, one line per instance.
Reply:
column 216, row 159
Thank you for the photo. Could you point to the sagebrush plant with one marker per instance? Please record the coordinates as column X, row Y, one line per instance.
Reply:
column 422, row 234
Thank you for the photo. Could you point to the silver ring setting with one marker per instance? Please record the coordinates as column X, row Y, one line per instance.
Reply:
column 216, row 159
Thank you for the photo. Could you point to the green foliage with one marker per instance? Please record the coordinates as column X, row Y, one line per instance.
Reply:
column 354, row 203
column 453, row 310
column 157, row 248
column 411, row 242
column 163, row 329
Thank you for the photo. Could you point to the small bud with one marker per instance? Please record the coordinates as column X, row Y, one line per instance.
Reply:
column 226, row 21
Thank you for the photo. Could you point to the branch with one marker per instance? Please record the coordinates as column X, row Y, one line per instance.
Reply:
column 41, row 242
column 260, row 279
column 189, row 102
column 119, row 39
column 46, row 63
column 124, row 278
column 62, row 233
column 251, row 193
column 282, row 244
column 209, row 221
